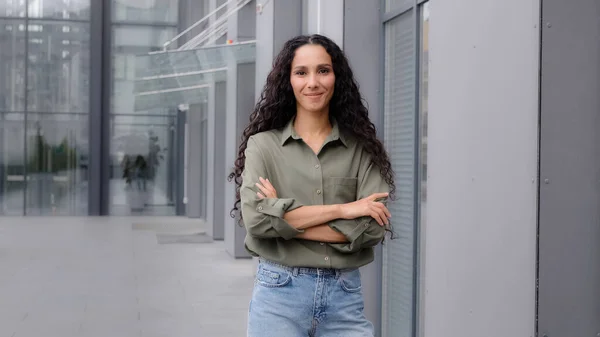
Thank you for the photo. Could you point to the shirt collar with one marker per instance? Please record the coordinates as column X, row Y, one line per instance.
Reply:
column 290, row 132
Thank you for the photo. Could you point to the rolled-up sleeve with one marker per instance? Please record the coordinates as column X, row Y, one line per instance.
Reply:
column 263, row 218
column 363, row 232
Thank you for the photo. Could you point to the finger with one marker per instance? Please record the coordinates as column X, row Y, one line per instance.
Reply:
column 383, row 217
column 267, row 184
column 260, row 195
column 262, row 189
column 381, row 212
column 375, row 196
column 385, row 210
column 375, row 216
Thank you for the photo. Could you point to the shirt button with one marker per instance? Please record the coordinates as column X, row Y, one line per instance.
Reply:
column 260, row 208
column 317, row 166
column 367, row 224
column 326, row 258
column 318, row 191
column 322, row 244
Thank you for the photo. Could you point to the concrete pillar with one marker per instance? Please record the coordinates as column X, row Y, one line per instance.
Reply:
column 216, row 208
column 275, row 24
column 240, row 102
column 194, row 179
column 326, row 17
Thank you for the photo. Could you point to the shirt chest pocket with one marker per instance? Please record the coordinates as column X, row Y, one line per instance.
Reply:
column 340, row 190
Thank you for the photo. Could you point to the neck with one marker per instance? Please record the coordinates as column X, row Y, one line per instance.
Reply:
column 309, row 124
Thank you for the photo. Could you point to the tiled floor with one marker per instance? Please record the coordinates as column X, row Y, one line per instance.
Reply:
column 99, row 277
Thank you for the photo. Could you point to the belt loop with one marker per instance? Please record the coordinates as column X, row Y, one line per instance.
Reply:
column 338, row 272
column 295, row 271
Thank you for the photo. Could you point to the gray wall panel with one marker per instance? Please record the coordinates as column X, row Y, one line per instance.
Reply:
column 479, row 257
column 569, row 253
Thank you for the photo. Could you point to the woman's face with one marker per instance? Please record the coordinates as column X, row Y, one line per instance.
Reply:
column 312, row 78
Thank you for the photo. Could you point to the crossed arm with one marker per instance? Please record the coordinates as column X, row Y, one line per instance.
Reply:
column 347, row 228
column 313, row 219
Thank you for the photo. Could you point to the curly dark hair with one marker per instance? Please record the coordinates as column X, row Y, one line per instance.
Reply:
column 277, row 106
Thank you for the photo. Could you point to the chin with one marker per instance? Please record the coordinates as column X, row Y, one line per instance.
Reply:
column 315, row 108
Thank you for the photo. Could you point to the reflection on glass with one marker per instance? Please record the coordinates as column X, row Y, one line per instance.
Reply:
column 12, row 172
column 158, row 11
column 12, row 8
column 44, row 130
column 129, row 42
column 57, row 154
column 143, row 142
column 59, row 67
column 12, row 65
column 64, row 9
column 141, row 171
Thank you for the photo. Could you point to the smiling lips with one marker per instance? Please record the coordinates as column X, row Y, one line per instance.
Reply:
column 314, row 95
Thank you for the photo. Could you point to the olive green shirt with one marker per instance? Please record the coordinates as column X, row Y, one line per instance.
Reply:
column 341, row 172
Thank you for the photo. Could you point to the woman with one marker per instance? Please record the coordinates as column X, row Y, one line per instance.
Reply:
column 312, row 180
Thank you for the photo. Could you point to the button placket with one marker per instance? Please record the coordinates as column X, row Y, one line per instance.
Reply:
column 319, row 175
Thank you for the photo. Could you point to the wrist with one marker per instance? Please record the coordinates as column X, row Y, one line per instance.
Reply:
column 340, row 211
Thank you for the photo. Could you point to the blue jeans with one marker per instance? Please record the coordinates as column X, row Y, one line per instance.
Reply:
column 307, row 302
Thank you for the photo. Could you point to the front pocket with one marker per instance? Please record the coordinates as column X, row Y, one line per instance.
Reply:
column 271, row 278
column 340, row 190
column 350, row 281
column 346, row 181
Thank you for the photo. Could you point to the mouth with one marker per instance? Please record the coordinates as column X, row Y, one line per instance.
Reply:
column 314, row 95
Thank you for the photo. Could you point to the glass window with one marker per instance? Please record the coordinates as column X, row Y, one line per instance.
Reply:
column 141, row 170
column 391, row 5
column 12, row 156
column 44, row 130
column 12, row 66
column 12, row 8
column 399, row 135
column 64, row 9
column 130, row 42
column 59, row 67
column 57, row 164
column 141, row 39
column 150, row 11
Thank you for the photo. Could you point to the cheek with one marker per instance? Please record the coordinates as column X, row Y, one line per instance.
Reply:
column 296, row 85
column 330, row 82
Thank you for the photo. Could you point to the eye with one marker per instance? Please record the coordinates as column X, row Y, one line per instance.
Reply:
column 300, row 73
column 324, row 71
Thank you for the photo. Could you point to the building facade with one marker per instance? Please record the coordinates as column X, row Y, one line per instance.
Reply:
column 135, row 107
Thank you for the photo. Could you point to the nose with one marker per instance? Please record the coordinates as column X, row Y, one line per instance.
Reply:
column 312, row 81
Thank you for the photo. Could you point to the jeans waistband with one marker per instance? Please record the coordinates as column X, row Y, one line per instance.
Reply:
column 306, row 270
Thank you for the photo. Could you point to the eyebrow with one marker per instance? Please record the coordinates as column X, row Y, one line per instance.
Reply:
column 324, row 65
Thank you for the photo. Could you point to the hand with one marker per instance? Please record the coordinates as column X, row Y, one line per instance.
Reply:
column 268, row 191
column 368, row 207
